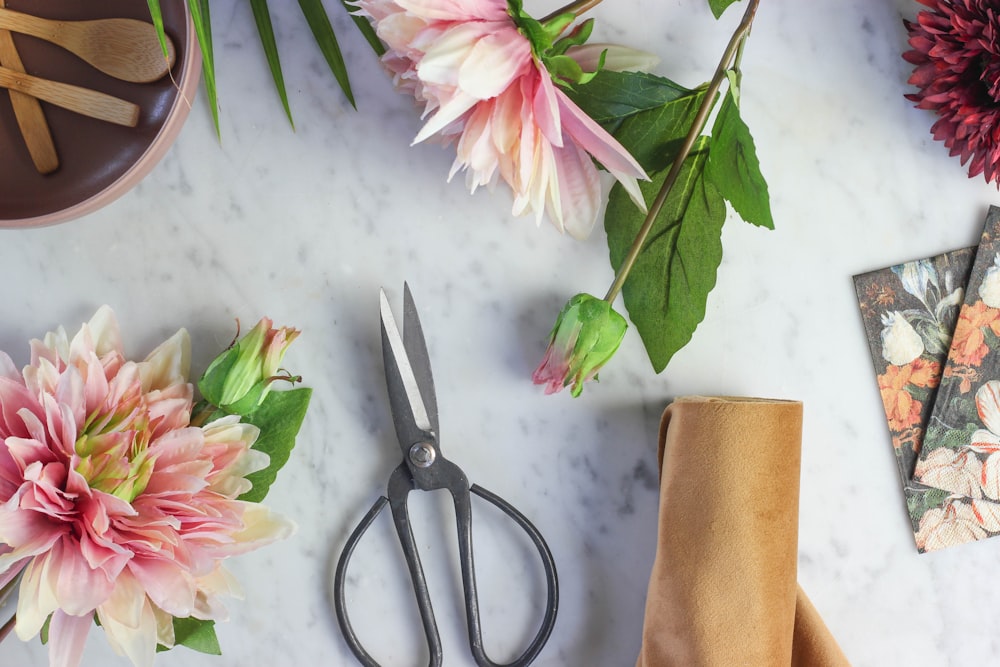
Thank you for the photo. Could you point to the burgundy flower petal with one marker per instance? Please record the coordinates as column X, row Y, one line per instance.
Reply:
column 956, row 61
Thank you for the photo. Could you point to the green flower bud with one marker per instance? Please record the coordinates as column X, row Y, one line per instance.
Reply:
column 240, row 378
column 587, row 333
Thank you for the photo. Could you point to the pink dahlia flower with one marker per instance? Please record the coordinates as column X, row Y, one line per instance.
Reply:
column 111, row 503
column 484, row 89
column 956, row 53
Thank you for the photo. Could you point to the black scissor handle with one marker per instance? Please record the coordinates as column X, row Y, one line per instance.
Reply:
column 339, row 596
column 400, row 484
column 551, row 579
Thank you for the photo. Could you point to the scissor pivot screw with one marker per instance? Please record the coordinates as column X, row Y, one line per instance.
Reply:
column 422, row 455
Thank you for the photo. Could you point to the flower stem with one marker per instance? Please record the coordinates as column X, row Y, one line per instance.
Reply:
column 7, row 627
column 733, row 49
column 576, row 8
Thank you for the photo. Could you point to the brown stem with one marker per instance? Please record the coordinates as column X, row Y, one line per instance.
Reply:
column 576, row 8
column 7, row 627
column 732, row 49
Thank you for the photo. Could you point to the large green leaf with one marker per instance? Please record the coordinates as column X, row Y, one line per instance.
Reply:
column 262, row 17
column 733, row 167
column 319, row 23
column 654, row 137
column 719, row 6
column 611, row 97
column 668, row 287
column 279, row 418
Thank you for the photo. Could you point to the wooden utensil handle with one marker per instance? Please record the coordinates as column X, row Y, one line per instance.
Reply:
column 28, row 112
column 83, row 101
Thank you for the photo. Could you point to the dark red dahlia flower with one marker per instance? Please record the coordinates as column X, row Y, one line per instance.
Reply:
column 956, row 58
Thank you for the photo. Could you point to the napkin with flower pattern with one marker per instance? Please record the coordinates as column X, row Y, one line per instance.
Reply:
column 910, row 312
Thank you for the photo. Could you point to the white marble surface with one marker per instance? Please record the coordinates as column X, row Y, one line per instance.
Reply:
column 305, row 226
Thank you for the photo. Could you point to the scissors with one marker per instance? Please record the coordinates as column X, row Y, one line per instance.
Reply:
column 414, row 414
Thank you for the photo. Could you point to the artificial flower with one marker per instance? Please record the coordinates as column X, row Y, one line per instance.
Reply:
column 485, row 88
column 956, row 54
column 969, row 346
column 989, row 289
column 112, row 505
column 901, row 344
column 239, row 379
column 587, row 333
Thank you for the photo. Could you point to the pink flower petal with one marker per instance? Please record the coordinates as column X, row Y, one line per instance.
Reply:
column 67, row 637
column 494, row 62
column 592, row 138
column 579, row 190
column 167, row 584
column 545, row 106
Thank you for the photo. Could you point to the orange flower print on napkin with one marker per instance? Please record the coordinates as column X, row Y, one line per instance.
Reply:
column 969, row 346
column 901, row 408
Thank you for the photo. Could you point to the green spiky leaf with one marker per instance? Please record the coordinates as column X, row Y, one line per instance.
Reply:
column 322, row 31
column 262, row 17
column 367, row 31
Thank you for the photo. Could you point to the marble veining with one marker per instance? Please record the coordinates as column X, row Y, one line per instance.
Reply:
column 305, row 225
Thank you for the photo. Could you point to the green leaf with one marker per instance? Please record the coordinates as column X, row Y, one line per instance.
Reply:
column 918, row 501
column 319, row 23
column 654, row 137
column 563, row 69
column 279, row 418
column 733, row 167
column 43, row 635
column 668, row 287
column 367, row 31
column 157, row 16
column 213, row 380
column 202, row 20
column 577, row 37
column 263, row 19
column 611, row 97
column 196, row 634
column 719, row 6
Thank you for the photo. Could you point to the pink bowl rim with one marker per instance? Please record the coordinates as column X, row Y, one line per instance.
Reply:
column 183, row 101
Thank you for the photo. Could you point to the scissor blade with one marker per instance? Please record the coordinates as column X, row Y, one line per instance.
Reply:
column 420, row 361
column 409, row 413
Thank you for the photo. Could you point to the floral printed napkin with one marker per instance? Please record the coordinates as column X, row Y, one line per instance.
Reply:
column 910, row 312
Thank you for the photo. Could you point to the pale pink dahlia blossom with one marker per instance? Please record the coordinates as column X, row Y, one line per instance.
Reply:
column 113, row 504
column 485, row 89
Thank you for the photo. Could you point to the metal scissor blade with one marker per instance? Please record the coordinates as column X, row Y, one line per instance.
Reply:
column 420, row 361
column 409, row 412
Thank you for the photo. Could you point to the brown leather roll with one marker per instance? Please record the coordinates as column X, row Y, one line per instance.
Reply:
column 723, row 589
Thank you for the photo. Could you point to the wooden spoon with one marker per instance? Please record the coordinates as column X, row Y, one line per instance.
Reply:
column 127, row 49
column 81, row 100
column 28, row 112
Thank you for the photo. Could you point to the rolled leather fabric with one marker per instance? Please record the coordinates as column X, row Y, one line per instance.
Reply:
column 723, row 590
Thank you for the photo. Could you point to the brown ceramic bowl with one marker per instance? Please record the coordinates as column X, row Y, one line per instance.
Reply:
column 98, row 161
